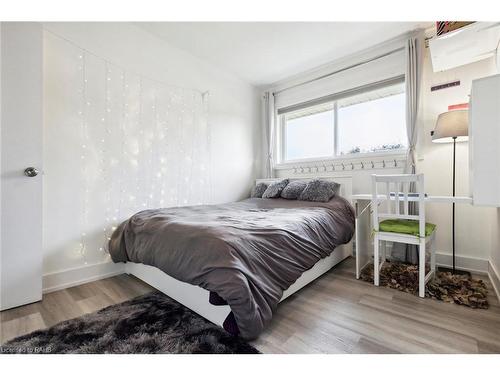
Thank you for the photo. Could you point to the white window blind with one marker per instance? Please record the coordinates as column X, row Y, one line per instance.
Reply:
column 378, row 71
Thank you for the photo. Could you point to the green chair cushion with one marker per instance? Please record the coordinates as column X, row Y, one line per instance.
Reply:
column 405, row 227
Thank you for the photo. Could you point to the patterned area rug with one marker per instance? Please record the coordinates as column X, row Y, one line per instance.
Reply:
column 459, row 289
column 153, row 323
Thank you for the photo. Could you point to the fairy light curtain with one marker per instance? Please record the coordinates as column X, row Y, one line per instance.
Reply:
column 116, row 143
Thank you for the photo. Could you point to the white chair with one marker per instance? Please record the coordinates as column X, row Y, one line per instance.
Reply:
column 396, row 224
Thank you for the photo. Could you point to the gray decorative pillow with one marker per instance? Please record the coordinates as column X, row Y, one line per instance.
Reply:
column 274, row 190
column 293, row 189
column 319, row 191
column 258, row 190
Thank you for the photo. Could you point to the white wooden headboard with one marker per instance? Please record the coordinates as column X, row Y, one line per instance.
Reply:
column 344, row 181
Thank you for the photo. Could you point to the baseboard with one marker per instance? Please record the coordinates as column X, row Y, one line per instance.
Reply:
column 92, row 272
column 494, row 278
column 76, row 276
column 471, row 264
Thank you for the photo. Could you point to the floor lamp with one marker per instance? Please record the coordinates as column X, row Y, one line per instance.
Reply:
column 452, row 127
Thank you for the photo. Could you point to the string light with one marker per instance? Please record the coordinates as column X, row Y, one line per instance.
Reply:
column 154, row 155
column 124, row 153
column 148, row 142
column 139, row 141
column 104, row 151
column 83, row 113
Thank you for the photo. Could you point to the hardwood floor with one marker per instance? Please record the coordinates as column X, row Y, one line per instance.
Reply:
column 334, row 314
column 69, row 303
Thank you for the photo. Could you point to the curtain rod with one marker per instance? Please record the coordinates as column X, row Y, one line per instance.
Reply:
column 341, row 70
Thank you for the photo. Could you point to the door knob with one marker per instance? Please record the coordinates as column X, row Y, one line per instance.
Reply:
column 31, row 171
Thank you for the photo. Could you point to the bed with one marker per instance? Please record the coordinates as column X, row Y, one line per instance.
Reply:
column 233, row 263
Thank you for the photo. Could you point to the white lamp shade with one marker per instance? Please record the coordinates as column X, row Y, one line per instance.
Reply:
column 450, row 125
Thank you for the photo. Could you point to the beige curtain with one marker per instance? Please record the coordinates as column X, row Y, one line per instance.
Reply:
column 269, row 119
column 413, row 78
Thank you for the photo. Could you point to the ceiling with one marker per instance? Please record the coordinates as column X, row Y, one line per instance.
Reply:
column 266, row 52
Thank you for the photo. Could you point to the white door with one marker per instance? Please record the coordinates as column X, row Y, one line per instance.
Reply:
column 21, row 147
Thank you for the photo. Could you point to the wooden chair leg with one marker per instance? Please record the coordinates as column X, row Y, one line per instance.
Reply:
column 376, row 260
column 421, row 269
column 433, row 252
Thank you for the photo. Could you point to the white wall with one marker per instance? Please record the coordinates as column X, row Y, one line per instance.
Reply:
column 234, row 117
column 495, row 233
column 474, row 225
column 494, row 269
column 361, row 177
column 477, row 228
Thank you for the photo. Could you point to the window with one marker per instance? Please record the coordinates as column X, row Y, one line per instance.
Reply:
column 365, row 122
column 309, row 133
column 374, row 121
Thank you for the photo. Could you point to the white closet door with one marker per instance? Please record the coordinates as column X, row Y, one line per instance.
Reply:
column 21, row 147
column 484, row 141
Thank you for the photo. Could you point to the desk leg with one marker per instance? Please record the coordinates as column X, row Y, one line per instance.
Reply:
column 363, row 235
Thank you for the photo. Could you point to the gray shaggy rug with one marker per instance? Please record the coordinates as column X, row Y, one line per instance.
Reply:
column 153, row 323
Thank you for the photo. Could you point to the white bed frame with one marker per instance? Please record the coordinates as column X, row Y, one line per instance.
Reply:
column 196, row 298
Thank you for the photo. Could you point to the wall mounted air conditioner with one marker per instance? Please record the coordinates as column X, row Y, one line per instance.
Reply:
column 466, row 45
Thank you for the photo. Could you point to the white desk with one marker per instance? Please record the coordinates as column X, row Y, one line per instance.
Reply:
column 362, row 204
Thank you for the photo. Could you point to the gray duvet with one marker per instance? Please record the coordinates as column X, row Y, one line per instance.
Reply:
column 247, row 252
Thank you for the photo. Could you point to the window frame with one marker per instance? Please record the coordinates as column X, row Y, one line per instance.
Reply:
column 282, row 137
column 280, row 144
